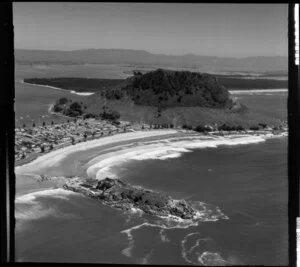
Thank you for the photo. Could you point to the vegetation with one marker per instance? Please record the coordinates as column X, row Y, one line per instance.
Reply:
column 164, row 88
column 111, row 115
column 228, row 127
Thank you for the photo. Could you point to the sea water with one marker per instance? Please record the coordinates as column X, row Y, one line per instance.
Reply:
column 240, row 192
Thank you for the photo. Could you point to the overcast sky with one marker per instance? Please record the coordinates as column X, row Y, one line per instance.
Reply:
column 226, row 30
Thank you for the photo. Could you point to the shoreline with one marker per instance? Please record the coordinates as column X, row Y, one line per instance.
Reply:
column 65, row 149
column 231, row 91
column 147, row 145
column 60, row 89
column 257, row 91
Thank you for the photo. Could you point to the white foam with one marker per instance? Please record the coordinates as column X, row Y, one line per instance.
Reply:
column 211, row 258
column 54, row 193
column 163, row 237
column 102, row 166
column 35, row 209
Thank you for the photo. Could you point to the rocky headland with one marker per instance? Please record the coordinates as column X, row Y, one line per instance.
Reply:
column 120, row 195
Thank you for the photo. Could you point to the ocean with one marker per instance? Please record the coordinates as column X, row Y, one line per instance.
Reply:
column 239, row 189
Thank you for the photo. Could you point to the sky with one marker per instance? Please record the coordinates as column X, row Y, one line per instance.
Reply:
column 225, row 30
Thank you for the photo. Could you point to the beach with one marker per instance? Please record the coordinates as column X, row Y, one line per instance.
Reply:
column 98, row 158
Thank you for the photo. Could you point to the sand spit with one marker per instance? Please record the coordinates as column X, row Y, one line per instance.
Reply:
column 257, row 91
column 60, row 89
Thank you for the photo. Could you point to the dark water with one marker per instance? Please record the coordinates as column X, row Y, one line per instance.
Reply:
column 247, row 183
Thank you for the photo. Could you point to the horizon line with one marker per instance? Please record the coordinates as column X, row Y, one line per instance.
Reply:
column 141, row 50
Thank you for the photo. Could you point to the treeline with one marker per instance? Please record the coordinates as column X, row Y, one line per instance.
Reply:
column 228, row 127
column 177, row 88
column 74, row 109
column 77, row 84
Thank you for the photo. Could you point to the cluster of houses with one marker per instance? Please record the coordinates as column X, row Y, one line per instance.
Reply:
column 44, row 138
column 32, row 140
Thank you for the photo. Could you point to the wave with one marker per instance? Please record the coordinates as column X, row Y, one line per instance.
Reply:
column 28, row 206
column 54, row 193
column 103, row 166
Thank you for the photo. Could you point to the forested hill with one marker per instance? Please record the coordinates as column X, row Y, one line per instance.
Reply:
column 167, row 88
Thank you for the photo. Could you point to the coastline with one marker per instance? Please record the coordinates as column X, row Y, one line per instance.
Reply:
column 39, row 160
column 60, row 89
column 257, row 91
column 67, row 148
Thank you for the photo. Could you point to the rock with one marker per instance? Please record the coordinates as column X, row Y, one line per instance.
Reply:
column 117, row 194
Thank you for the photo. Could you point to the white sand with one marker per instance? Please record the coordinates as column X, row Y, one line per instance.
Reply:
column 258, row 91
column 54, row 157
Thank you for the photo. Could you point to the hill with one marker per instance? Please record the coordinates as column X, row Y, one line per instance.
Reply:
column 165, row 88
column 141, row 57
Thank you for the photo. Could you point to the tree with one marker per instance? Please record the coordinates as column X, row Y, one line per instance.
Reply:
column 62, row 101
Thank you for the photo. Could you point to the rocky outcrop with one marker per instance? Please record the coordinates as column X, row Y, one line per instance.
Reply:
column 117, row 194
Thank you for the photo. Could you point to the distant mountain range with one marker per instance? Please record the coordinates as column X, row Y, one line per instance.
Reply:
column 144, row 58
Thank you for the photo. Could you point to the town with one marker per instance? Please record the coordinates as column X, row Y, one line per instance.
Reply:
column 31, row 141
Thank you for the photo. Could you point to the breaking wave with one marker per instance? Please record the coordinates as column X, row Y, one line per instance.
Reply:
column 103, row 166
column 31, row 207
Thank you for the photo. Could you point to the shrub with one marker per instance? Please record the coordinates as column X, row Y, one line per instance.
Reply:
column 201, row 129
column 89, row 115
column 254, row 128
column 57, row 108
column 110, row 115
column 62, row 101
column 187, row 127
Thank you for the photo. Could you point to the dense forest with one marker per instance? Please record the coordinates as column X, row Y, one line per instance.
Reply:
column 166, row 88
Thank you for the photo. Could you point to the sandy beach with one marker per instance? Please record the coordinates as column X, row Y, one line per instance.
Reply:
column 113, row 151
